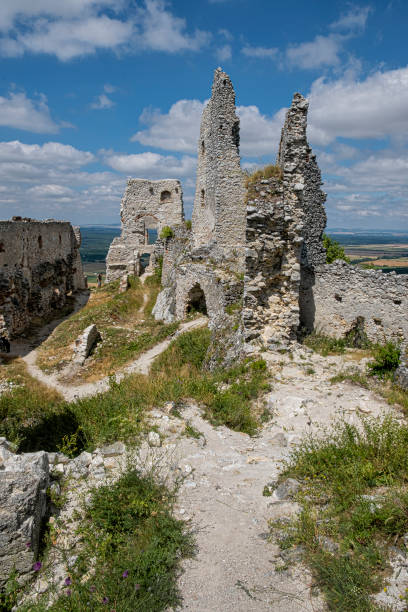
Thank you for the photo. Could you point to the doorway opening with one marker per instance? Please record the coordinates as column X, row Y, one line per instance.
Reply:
column 196, row 300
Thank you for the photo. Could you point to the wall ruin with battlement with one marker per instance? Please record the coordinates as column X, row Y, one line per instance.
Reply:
column 40, row 265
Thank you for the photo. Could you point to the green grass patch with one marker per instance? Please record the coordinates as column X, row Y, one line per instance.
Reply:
column 354, row 497
column 325, row 345
column 131, row 553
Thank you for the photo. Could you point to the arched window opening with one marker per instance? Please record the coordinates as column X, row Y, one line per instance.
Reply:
column 165, row 196
column 202, row 197
column 224, row 82
column 196, row 300
column 40, row 242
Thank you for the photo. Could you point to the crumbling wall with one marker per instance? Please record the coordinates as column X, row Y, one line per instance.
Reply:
column 272, row 274
column 145, row 205
column 219, row 206
column 342, row 292
column 40, row 265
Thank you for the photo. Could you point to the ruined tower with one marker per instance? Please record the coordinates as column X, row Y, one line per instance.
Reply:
column 219, row 210
column 147, row 207
column 302, row 180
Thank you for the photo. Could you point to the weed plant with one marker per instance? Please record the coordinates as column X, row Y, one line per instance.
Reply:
column 354, row 496
column 131, row 552
column 177, row 374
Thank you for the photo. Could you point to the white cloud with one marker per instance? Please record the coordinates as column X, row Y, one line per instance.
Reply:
column 160, row 30
column 375, row 107
column 226, row 34
column 224, row 53
column 107, row 88
column 322, row 51
column 355, row 18
column 73, row 28
column 18, row 111
column 151, row 165
column 177, row 130
column 102, row 102
column 260, row 52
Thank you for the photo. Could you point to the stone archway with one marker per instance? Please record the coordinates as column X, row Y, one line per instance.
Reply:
column 196, row 301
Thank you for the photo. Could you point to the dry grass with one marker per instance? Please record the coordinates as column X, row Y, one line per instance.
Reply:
column 126, row 326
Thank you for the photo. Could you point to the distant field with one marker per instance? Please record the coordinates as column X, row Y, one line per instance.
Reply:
column 388, row 252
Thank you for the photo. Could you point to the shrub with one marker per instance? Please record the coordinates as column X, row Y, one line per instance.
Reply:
column 386, row 360
column 166, row 232
column 334, row 250
column 188, row 224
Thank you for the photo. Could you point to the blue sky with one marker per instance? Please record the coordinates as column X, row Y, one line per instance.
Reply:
column 95, row 91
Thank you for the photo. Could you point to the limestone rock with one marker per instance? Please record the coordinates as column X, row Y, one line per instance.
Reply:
column 85, row 343
column 153, row 439
column 165, row 306
column 23, row 505
column 287, row 489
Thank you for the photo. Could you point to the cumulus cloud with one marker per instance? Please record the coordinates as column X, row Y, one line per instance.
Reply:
column 18, row 111
column 224, row 53
column 375, row 107
column 260, row 52
column 151, row 165
column 74, row 28
column 355, row 18
column 102, row 102
column 322, row 51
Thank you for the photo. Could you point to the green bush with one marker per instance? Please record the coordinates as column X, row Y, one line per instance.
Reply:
column 166, row 232
column 187, row 223
column 133, row 545
column 334, row 250
column 386, row 360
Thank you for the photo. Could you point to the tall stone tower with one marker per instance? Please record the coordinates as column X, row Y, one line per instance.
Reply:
column 302, row 181
column 219, row 205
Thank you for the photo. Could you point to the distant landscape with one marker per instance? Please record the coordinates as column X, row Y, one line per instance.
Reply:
column 386, row 251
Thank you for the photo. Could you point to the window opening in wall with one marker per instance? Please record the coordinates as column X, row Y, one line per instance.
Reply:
column 40, row 242
column 196, row 300
column 59, row 238
column 202, row 146
column 144, row 261
column 176, row 190
column 151, row 190
column 235, row 133
column 225, row 82
column 2, row 249
column 202, row 198
column 150, row 229
column 165, row 196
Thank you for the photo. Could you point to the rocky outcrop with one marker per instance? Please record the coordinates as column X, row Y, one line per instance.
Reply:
column 85, row 343
column 23, row 505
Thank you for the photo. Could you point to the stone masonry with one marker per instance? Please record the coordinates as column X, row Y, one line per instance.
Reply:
column 40, row 265
column 146, row 205
column 254, row 259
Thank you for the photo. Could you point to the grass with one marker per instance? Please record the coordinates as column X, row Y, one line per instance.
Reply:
column 131, row 550
column 324, row 345
column 34, row 419
column 354, row 495
column 267, row 172
column 124, row 321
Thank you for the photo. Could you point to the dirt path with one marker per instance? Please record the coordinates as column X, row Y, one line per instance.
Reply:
column 71, row 392
column 237, row 569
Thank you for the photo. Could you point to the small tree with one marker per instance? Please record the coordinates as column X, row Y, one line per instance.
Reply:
column 334, row 250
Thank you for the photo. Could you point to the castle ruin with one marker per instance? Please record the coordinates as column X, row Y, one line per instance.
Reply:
column 254, row 260
column 146, row 206
column 40, row 266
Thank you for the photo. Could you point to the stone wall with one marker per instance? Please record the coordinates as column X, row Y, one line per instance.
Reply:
column 145, row 205
column 40, row 265
column 340, row 293
column 219, row 206
column 272, row 274
column 302, row 181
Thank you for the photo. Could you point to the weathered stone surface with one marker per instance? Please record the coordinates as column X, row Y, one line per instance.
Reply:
column 153, row 439
column 85, row 343
column 164, row 308
column 23, row 484
column 124, row 283
column 146, row 205
column 40, row 265
column 287, row 489
column 401, row 376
